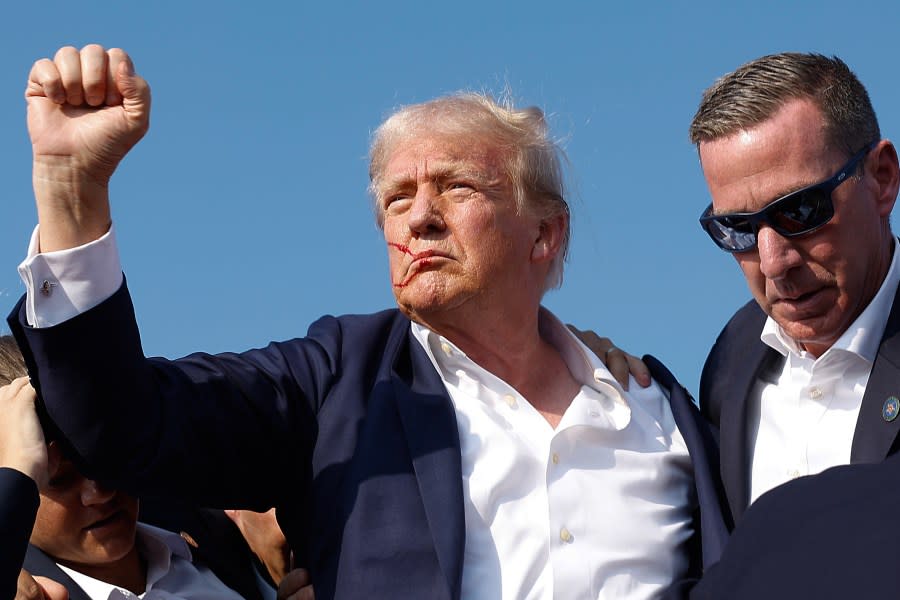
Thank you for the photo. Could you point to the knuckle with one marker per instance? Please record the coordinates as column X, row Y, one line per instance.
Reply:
column 65, row 51
column 92, row 48
column 116, row 54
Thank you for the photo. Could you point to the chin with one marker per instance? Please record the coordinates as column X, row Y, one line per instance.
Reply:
column 110, row 553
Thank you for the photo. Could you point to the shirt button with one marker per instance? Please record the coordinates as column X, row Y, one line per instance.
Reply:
column 794, row 474
column 555, row 458
column 510, row 400
column 815, row 393
column 445, row 347
column 565, row 535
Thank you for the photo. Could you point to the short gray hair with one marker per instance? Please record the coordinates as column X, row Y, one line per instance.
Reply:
column 532, row 160
column 755, row 91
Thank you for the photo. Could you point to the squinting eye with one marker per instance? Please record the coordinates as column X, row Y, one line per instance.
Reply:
column 394, row 203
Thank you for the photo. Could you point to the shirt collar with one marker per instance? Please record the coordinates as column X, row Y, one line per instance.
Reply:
column 585, row 366
column 156, row 547
column 863, row 336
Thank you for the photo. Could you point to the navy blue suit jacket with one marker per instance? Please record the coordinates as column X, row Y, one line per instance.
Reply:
column 18, row 507
column 831, row 536
column 349, row 431
column 731, row 370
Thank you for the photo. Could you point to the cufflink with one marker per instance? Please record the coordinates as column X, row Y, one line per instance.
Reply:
column 46, row 287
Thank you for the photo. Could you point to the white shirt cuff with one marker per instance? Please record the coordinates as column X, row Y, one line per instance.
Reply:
column 63, row 284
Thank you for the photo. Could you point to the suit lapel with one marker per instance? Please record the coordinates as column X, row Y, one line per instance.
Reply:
column 429, row 422
column 874, row 435
column 714, row 522
column 734, row 423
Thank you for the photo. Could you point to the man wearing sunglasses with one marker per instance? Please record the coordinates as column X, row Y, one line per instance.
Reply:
column 807, row 376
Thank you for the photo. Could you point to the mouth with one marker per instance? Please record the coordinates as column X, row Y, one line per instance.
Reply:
column 112, row 519
column 803, row 302
column 420, row 262
column 801, row 297
column 415, row 255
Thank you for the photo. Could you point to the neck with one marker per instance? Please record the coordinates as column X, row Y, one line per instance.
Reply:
column 128, row 572
column 501, row 341
column 511, row 347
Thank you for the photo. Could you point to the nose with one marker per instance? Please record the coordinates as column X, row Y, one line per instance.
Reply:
column 93, row 493
column 777, row 254
column 425, row 216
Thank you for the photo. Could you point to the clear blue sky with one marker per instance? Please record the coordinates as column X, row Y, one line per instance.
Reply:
column 242, row 216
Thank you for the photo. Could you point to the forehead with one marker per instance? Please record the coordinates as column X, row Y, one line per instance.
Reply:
column 419, row 155
column 752, row 167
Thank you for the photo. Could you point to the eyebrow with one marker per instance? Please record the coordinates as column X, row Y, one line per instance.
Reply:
column 442, row 170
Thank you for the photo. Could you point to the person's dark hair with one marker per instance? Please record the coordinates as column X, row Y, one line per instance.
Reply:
column 12, row 365
column 755, row 91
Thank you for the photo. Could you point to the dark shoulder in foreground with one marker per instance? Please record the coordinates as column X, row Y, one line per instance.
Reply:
column 829, row 536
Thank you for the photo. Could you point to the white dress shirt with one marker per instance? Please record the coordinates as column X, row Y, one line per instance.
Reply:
column 803, row 416
column 170, row 573
column 598, row 508
column 66, row 283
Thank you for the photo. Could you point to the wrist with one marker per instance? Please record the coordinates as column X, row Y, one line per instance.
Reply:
column 72, row 204
column 27, row 466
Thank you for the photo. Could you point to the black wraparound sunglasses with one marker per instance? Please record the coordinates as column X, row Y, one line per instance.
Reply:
column 795, row 214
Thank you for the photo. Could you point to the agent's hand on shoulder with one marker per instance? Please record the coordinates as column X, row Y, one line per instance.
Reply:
column 620, row 363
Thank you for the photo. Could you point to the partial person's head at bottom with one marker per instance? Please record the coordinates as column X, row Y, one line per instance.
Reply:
column 81, row 523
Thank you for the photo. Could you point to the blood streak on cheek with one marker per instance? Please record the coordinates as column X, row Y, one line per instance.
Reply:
column 401, row 248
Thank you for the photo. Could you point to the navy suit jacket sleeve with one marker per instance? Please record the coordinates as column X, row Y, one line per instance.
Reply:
column 19, row 502
column 154, row 425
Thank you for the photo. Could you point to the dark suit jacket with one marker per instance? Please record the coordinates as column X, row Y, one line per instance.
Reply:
column 18, row 505
column 731, row 370
column 831, row 536
column 349, row 429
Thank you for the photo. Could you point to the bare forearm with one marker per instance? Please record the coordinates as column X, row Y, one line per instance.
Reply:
column 64, row 223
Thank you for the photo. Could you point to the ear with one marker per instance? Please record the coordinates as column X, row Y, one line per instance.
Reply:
column 886, row 171
column 551, row 234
